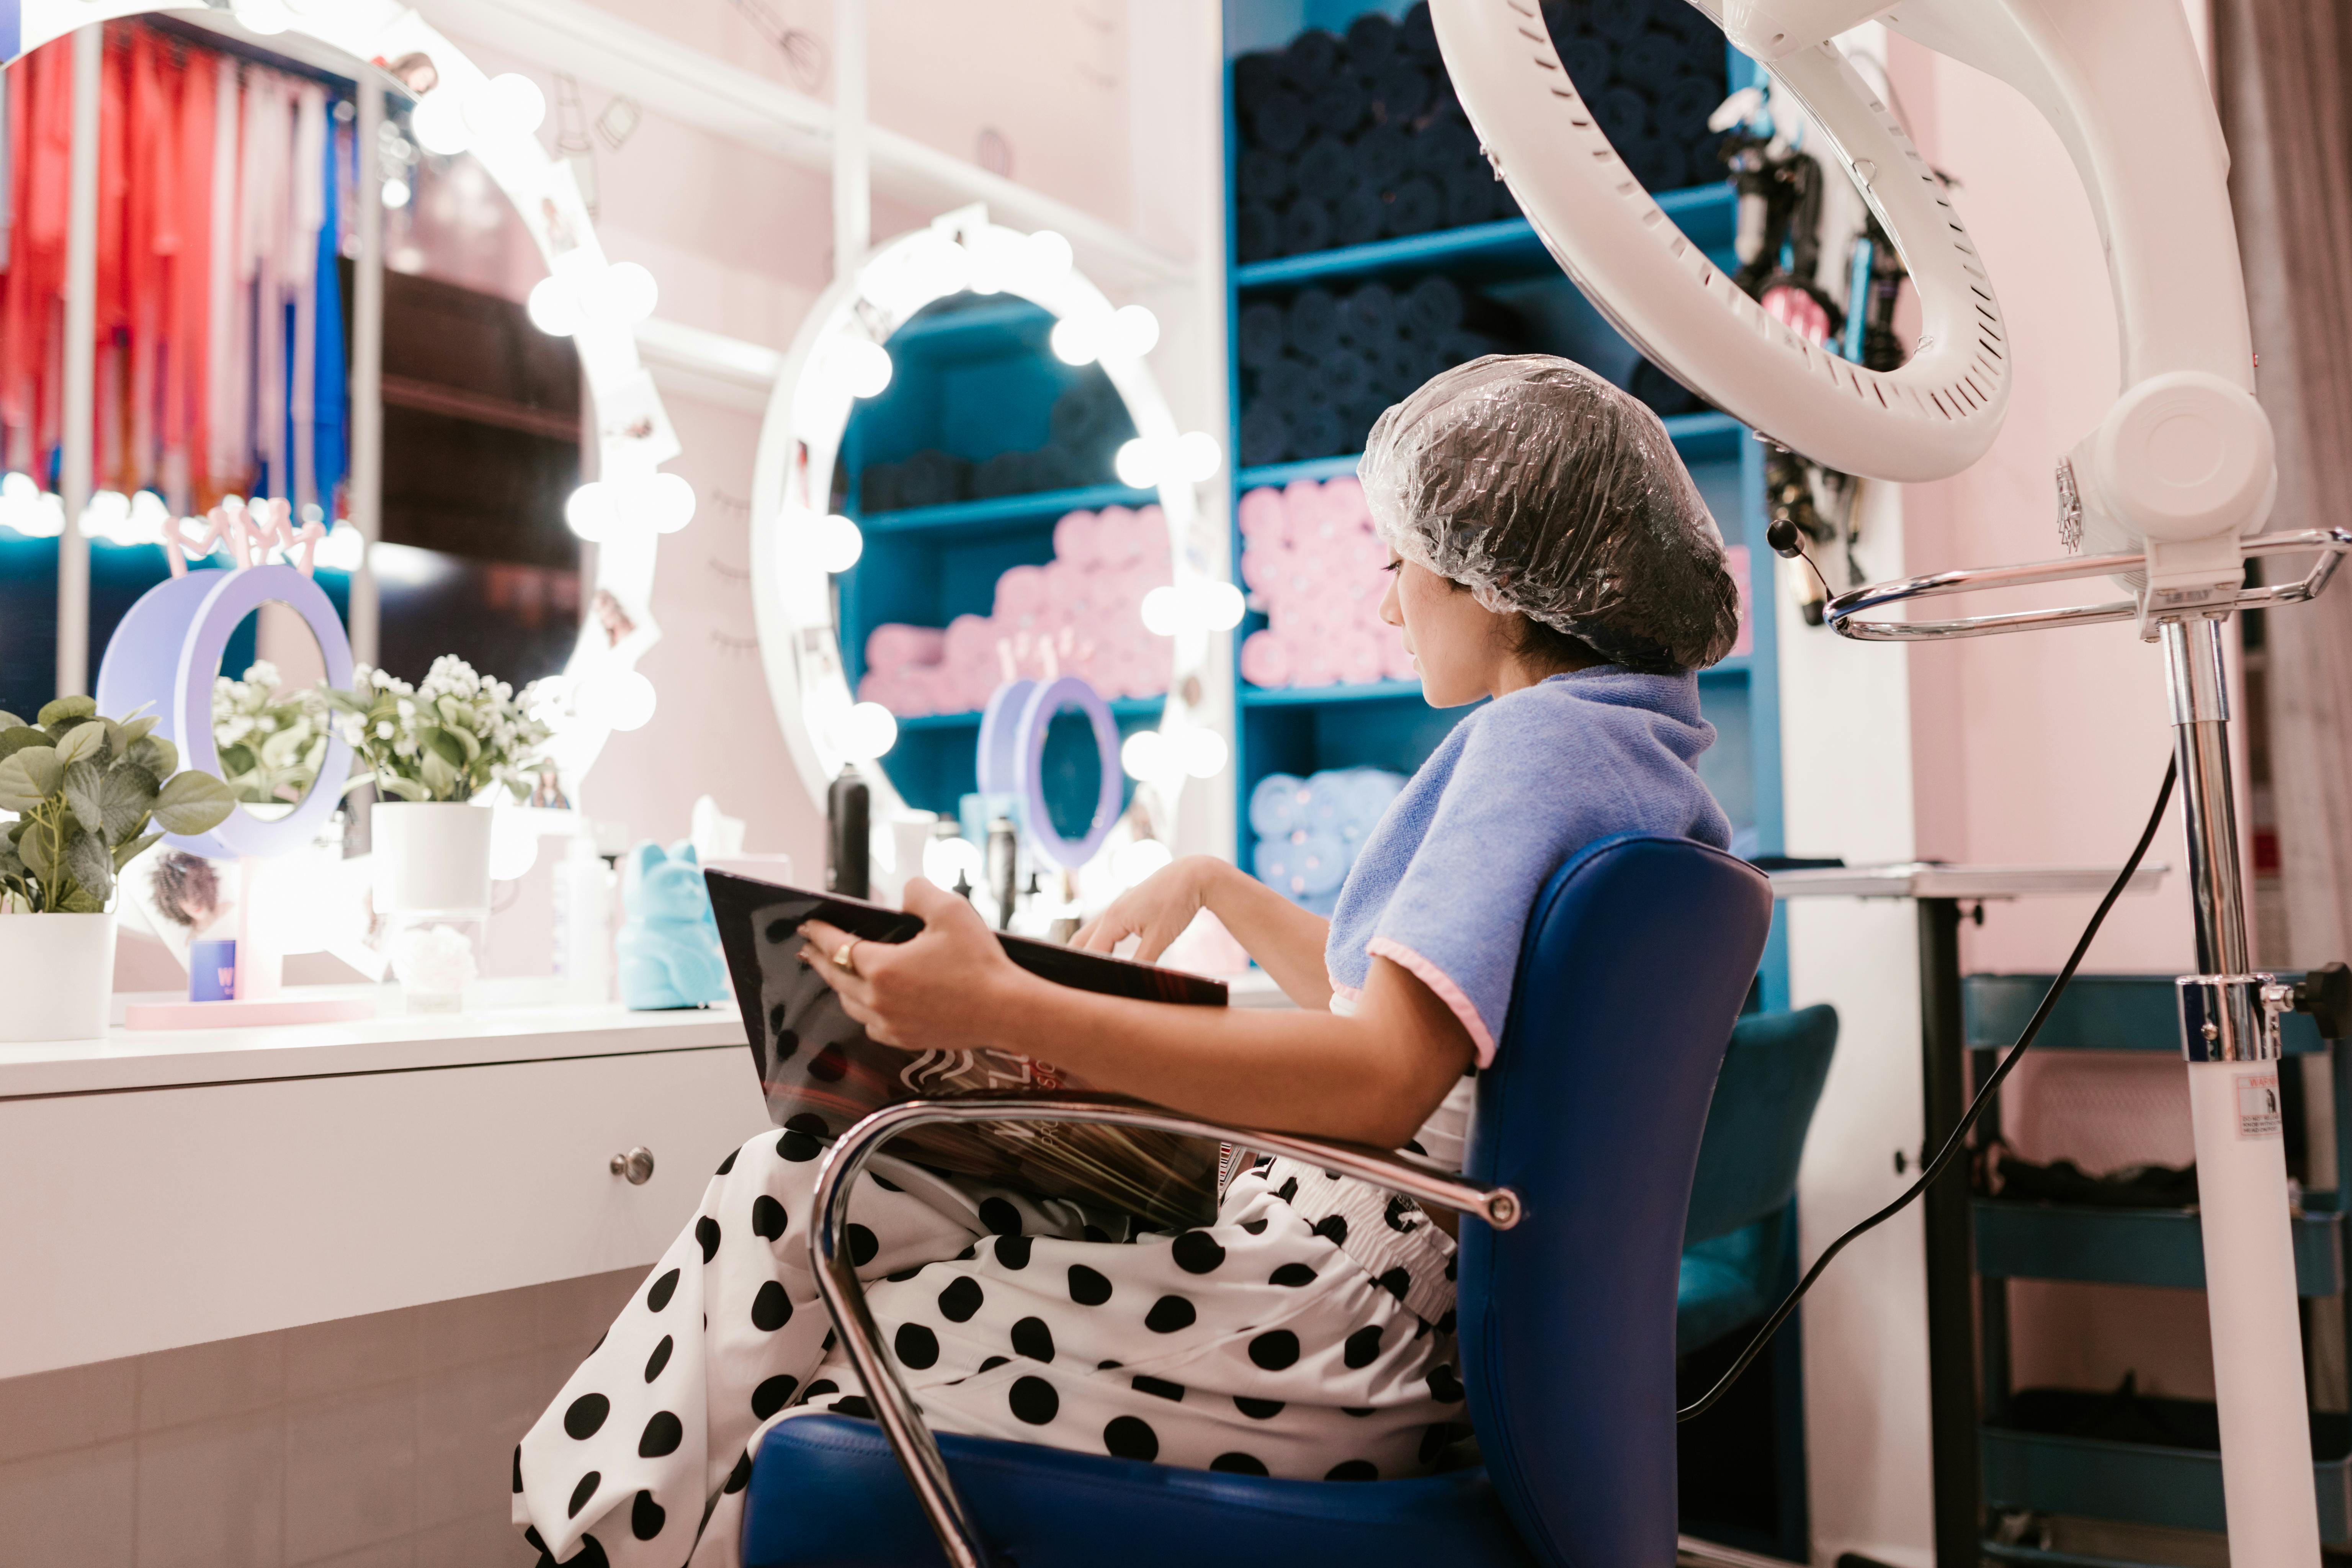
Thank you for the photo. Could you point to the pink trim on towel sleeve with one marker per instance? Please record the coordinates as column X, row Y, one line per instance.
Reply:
column 1438, row 981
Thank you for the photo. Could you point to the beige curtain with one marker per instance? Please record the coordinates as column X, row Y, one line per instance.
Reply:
column 2285, row 88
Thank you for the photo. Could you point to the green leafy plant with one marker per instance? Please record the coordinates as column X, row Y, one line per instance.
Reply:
column 85, row 790
column 271, row 740
column 458, row 734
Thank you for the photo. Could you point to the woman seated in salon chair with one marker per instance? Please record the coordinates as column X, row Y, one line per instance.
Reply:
column 1550, row 554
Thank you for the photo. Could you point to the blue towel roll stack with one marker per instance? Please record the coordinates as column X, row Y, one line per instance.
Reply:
column 1309, row 829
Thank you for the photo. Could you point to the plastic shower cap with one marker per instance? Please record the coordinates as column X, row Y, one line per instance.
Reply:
column 1545, row 491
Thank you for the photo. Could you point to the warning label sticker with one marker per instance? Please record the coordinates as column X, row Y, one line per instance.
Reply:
column 2258, row 1105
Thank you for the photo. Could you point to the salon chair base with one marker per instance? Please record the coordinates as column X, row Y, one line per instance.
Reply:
column 826, row 1493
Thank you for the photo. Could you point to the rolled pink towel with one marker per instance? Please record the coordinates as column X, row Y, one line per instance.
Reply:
column 1357, row 655
column 1263, row 569
column 1262, row 517
column 1117, row 537
column 1311, row 661
column 1266, row 659
column 1074, row 538
column 1021, row 590
column 892, row 646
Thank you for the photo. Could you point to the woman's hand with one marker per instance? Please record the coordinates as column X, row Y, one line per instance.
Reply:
column 1155, row 911
column 949, row 989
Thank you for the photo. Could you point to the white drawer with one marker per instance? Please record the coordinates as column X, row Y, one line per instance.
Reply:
column 136, row 1221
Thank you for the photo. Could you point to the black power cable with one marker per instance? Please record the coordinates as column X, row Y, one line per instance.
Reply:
column 1952, row 1145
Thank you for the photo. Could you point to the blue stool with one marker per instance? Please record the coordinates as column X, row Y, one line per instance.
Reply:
column 1737, row 1241
column 1638, row 954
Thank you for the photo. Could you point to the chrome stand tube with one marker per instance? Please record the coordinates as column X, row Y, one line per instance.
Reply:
column 2229, row 1033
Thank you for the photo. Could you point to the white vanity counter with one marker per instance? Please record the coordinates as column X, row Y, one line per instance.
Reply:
column 169, row 1188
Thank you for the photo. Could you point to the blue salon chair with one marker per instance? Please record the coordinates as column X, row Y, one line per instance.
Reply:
column 1638, row 954
column 1736, row 1243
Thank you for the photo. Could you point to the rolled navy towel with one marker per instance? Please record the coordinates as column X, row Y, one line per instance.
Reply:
column 1256, row 76
column 1416, row 34
column 1340, row 105
column 1359, row 216
column 1383, row 156
column 1264, row 435
column 1622, row 113
column 1652, row 59
column 1441, row 145
column 1400, row 92
column 1470, row 193
column 1368, row 317
column 1619, row 23
column 1310, row 328
column 1287, row 380
column 1324, row 168
column 1415, row 207
column 1263, row 176
column 1344, row 375
column 1589, row 59
column 1684, row 107
column 1257, row 232
column 1315, row 431
column 1258, row 338
column 1371, row 41
column 1279, row 122
column 1306, row 225
column 1310, row 58
column 1432, row 306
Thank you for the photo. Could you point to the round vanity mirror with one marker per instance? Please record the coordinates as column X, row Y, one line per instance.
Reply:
column 444, row 104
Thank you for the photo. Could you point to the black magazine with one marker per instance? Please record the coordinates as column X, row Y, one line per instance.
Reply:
column 821, row 1072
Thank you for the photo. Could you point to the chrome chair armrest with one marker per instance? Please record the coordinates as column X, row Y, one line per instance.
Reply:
column 836, row 1276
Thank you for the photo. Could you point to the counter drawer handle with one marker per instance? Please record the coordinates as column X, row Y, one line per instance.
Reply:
column 637, row 1165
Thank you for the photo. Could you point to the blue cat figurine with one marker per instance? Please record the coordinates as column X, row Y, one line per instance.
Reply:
column 669, row 942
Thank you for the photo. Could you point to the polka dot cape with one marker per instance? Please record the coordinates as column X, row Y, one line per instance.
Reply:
column 1306, row 1333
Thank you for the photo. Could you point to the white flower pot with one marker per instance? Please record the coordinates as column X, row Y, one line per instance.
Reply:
column 431, row 856
column 58, row 974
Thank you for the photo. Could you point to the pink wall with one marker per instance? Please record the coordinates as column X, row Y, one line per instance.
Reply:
column 2038, row 748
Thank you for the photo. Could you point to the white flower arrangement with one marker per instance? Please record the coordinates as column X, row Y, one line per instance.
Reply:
column 449, row 738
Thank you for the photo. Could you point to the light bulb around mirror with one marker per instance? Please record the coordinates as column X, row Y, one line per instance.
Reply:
column 1198, row 456
column 867, row 731
column 593, row 511
column 622, row 295
column 615, row 699
column 1048, row 259
column 396, row 194
column 439, row 124
column 1144, row 757
column 1205, row 753
column 947, row 860
column 669, row 501
column 263, row 17
column 837, row 543
column 859, row 366
column 553, row 305
column 1133, row 331
column 1076, row 340
column 1221, row 605
column 1137, row 464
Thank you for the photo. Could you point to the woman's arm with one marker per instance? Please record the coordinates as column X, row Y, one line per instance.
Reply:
column 1287, row 941
column 1373, row 1077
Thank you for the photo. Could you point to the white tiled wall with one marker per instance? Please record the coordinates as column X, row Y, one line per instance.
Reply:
column 375, row 1442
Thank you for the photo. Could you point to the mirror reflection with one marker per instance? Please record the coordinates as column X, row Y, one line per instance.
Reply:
column 269, row 720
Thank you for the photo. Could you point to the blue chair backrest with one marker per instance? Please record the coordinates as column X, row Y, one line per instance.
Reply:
column 1638, row 954
column 1764, row 1098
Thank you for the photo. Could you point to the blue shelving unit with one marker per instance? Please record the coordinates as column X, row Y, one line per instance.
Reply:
column 2037, row 1447
column 1386, row 725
